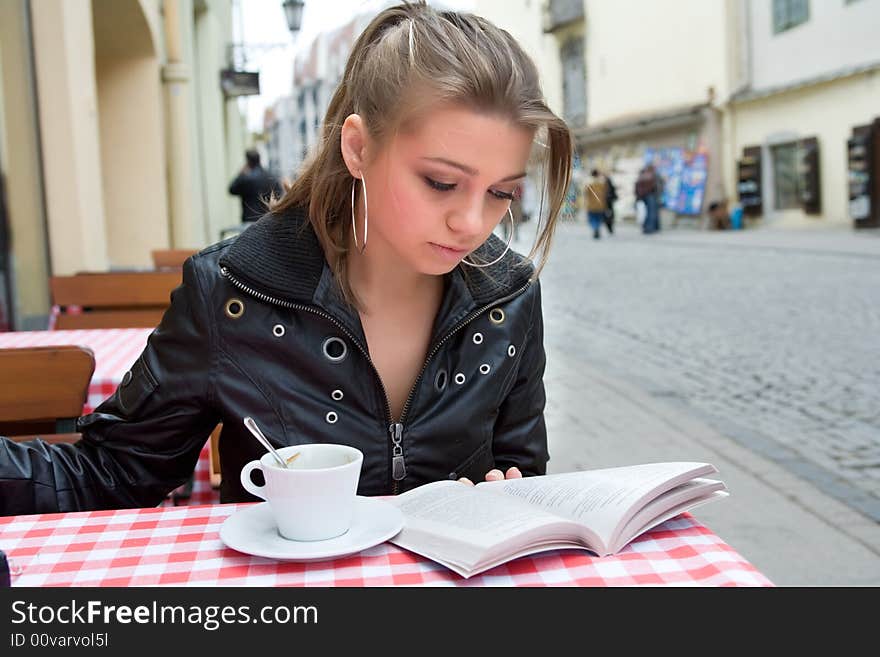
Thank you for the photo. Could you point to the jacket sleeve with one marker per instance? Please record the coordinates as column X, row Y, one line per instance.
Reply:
column 236, row 187
column 520, row 437
column 140, row 443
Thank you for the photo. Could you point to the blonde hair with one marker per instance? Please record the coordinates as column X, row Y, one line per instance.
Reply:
column 413, row 51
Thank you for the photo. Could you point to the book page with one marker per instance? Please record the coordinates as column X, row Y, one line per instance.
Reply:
column 468, row 530
column 668, row 505
column 456, row 509
column 599, row 499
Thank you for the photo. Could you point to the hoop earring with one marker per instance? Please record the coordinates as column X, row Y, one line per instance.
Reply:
column 366, row 214
column 506, row 246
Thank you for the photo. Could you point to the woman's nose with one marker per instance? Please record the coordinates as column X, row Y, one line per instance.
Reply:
column 467, row 219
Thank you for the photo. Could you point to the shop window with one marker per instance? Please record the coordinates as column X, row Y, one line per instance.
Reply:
column 785, row 176
column 789, row 13
column 574, row 82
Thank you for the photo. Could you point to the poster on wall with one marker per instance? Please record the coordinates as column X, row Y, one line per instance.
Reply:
column 668, row 164
column 684, row 177
column 693, row 185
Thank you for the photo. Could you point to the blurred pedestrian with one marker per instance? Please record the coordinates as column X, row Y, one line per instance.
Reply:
column 647, row 190
column 596, row 193
column 719, row 216
column 255, row 186
column 610, row 198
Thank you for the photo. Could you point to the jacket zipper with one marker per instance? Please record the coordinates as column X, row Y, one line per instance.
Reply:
column 398, row 428
column 395, row 429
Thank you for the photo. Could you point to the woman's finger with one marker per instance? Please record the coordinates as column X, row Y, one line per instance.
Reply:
column 494, row 475
column 513, row 473
column 465, row 480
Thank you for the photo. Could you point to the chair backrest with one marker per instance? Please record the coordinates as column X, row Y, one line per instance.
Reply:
column 43, row 388
column 113, row 299
column 171, row 258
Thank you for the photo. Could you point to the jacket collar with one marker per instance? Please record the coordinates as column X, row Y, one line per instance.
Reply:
column 280, row 256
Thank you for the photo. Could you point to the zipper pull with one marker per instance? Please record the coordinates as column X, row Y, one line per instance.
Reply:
column 398, row 466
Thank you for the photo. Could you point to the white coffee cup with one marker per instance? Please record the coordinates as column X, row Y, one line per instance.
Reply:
column 314, row 498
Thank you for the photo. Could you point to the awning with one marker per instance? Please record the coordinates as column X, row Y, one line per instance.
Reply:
column 634, row 125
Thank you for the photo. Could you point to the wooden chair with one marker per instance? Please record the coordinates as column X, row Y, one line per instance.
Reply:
column 113, row 299
column 215, row 456
column 171, row 258
column 43, row 391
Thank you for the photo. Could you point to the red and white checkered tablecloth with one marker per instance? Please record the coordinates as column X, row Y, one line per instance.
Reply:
column 180, row 546
column 115, row 351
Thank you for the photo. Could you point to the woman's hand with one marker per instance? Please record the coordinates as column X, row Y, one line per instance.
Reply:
column 497, row 475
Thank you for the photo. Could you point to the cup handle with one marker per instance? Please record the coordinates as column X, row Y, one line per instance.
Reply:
column 249, row 485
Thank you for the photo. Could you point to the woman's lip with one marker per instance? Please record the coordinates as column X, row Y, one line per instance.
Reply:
column 450, row 248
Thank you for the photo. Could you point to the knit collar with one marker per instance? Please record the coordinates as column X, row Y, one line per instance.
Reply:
column 280, row 256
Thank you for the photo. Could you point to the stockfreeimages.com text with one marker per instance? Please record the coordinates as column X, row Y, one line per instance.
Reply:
column 210, row 617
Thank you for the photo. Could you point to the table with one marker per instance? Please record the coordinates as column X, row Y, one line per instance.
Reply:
column 115, row 350
column 180, row 546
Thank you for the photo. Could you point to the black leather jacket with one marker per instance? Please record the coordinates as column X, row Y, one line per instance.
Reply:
column 258, row 328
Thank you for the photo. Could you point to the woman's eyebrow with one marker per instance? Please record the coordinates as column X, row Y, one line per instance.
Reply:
column 468, row 170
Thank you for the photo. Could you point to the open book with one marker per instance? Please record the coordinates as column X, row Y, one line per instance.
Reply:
column 470, row 529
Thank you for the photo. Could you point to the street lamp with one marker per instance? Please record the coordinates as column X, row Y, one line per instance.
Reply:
column 293, row 10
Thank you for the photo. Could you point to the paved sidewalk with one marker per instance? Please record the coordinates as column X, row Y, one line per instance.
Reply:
column 790, row 529
column 810, row 239
column 787, row 528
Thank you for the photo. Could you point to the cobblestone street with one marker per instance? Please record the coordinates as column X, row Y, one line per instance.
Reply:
column 772, row 338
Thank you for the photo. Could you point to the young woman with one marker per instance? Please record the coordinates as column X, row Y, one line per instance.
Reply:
column 372, row 306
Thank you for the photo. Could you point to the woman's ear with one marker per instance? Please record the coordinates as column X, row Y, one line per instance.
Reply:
column 354, row 143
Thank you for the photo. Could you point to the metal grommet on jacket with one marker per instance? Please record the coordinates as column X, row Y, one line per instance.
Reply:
column 335, row 349
column 478, row 338
column 459, row 378
column 485, row 368
column 278, row 331
column 496, row 316
column 511, row 351
column 337, row 395
column 234, row 308
column 331, row 417
column 440, row 381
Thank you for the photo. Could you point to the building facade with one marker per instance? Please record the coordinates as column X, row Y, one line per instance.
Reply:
column 115, row 137
column 635, row 91
column 810, row 83
column 317, row 72
column 280, row 124
column 769, row 104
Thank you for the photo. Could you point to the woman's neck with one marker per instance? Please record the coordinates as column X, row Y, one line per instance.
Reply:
column 380, row 280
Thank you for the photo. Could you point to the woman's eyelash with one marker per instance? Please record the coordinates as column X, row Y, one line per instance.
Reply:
column 446, row 187
column 439, row 186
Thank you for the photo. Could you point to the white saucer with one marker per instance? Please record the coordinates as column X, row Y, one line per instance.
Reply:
column 252, row 530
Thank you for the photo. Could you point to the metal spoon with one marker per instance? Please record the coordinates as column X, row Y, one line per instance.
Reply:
column 254, row 429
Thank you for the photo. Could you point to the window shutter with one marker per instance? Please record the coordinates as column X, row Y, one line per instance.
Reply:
column 809, row 180
column 749, row 183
